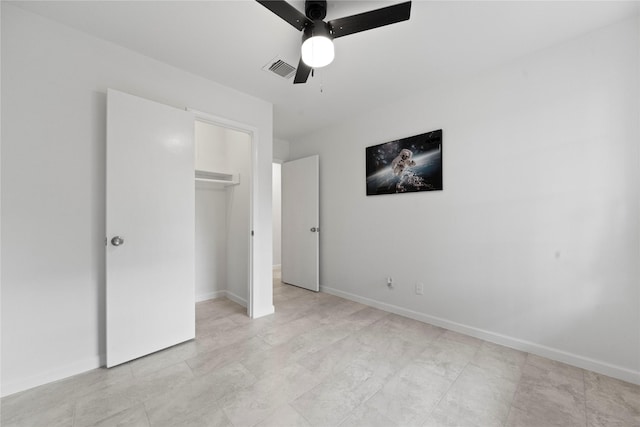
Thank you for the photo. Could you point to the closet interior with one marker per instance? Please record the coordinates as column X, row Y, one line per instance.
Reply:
column 222, row 222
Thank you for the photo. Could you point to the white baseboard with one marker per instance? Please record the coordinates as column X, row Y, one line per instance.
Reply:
column 211, row 295
column 515, row 343
column 222, row 294
column 235, row 298
column 50, row 376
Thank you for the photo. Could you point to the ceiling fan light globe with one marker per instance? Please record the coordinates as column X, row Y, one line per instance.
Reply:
column 317, row 51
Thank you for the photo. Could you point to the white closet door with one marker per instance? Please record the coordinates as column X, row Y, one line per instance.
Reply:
column 301, row 223
column 150, row 227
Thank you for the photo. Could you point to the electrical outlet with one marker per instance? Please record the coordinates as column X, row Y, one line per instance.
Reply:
column 390, row 282
column 419, row 288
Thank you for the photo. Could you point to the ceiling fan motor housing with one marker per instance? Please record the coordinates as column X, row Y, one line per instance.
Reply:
column 318, row 28
column 315, row 9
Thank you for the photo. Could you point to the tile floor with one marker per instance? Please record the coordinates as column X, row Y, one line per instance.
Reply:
column 325, row 361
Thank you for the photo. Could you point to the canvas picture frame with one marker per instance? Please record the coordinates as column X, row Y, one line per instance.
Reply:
column 406, row 165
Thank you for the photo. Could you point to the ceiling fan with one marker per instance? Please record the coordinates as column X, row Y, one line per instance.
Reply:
column 317, row 35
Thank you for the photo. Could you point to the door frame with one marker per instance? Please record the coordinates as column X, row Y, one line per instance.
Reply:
column 253, row 134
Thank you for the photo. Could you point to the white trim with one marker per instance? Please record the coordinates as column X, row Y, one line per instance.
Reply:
column 515, row 343
column 235, row 298
column 212, row 295
column 222, row 294
column 253, row 203
column 224, row 122
column 267, row 312
column 56, row 374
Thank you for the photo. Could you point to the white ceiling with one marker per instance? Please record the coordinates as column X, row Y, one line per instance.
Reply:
column 230, row 41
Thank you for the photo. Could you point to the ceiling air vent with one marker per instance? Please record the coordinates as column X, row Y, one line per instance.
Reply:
column 281, row 68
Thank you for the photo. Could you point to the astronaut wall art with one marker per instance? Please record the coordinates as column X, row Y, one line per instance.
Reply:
column 405, row 165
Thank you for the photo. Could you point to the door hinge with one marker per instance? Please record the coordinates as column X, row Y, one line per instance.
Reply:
column 251, row 233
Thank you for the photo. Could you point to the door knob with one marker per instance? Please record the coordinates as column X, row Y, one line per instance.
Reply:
column 117, row 241
column 315, row 229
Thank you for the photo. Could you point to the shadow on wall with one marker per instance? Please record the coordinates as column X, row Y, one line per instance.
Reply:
column 98, row 203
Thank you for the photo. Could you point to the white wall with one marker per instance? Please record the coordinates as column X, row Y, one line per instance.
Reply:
column 211, row 148
column 534, row 241
column 238, row 219
column 54, row 82
column 281, row 150
column 211, row 242
column 1, row 133
column 277, row 214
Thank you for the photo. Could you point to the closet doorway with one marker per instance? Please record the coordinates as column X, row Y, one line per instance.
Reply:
column 276, row 203
column 223, row 172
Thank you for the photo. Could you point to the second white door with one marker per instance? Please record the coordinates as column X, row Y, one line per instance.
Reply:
column 301, row 223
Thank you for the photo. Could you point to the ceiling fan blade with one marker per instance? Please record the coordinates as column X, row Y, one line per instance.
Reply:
column 302, row 74
column 287, row 12
column 370, row 20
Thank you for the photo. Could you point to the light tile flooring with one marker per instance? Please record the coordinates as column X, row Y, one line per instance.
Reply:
column 325, row 361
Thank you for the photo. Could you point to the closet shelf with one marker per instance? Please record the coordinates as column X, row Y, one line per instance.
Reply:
column 217, row 178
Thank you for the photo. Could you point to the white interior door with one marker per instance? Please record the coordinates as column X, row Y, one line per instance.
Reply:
column 150, row 227
column 301, row 223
